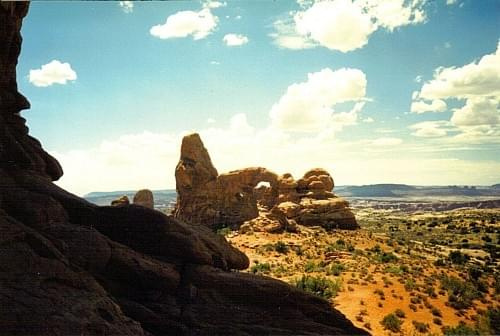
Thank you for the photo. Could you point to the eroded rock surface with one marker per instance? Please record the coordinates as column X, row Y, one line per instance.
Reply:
column 144, row 197
column 233, row 199
column 68, row 267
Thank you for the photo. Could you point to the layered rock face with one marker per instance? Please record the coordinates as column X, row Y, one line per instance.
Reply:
column 68, row 267
column 232, row 199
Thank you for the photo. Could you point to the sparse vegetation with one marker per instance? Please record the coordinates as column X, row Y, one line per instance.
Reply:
column 319, row 286
column 392, row 322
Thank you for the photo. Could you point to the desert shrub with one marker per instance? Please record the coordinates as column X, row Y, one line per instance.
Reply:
column 410, row 285
column 457, row 257
column 460, row 293
column 437, row 321
column 460, row 330
column 336, row 269
column 367, row 325
column 311, row 266
column 319, row 286
column 436, row 312
column 400, row 313
column 281, row 247
column 385, row 257
column 413, row 307
column 439, row 262
column 392, row 322
column 420, row 326
column 224, row 231
column 261, row 268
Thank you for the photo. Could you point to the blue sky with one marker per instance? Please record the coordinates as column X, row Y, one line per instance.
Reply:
column 375, row 91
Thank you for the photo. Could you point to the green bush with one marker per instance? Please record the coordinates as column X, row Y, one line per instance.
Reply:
column 319, row 286
column 224, row 231
column 281, row 247
column 460, row 293
column 392, row 322
column 457, row 257
column 336, row 269
column 420, row 326
column 385, row 257
column 311, row 266
column 261, row 268
column 436, row 312
column 460, row 330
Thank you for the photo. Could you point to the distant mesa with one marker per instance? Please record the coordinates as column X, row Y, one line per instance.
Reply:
column 239, row 199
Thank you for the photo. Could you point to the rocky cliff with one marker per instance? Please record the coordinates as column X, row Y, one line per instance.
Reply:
column 68, row 267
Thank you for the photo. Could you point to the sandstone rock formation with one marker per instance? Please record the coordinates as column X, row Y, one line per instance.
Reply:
column 204, row 197
column 232, row 199
column 68, row 267
column 121, row 201
column 144, row 197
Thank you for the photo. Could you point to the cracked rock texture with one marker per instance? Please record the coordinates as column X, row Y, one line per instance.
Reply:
column 68, row 267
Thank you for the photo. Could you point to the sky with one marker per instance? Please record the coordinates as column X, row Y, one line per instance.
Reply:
column 375, row 91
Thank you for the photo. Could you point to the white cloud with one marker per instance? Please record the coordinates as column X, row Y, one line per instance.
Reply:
column 368, row 120
column 185, row 23
column 238, row 17
column 430, row 129
column 418, row 79
column 285, row 36
column 211, row 121
column 148, row 160
column 437, row 105
column 476, row 79
column 478, row 111
column 234, row 40
column 214, row 4
column 54, row 72
column 383, row 142
column 127, row 6
column 476, row 83
column 215, row 62
column 337, row 25
column 451, row 2
column 344, row 25
column 308, row 106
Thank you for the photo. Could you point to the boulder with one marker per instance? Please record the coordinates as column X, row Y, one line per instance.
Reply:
column 69, row 267
column 144, row 197
column 120, row 201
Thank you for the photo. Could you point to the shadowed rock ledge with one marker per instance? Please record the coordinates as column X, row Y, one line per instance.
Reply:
column 68, row 267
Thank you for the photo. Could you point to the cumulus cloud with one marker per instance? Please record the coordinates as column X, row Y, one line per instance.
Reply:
column 54, row 72
column 308, row 106
column 234, row 40
column 478, row 111
column 430, row 129
column 344, row 25
column 437, row 105
column 476, row 79
column 187, row 23
column 476, row 83
column 126, row 6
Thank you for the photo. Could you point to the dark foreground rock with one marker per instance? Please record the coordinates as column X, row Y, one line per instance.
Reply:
column 68, row 267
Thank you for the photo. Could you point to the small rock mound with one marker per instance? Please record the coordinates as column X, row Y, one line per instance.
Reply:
column 120, row 201
column 144, row 197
